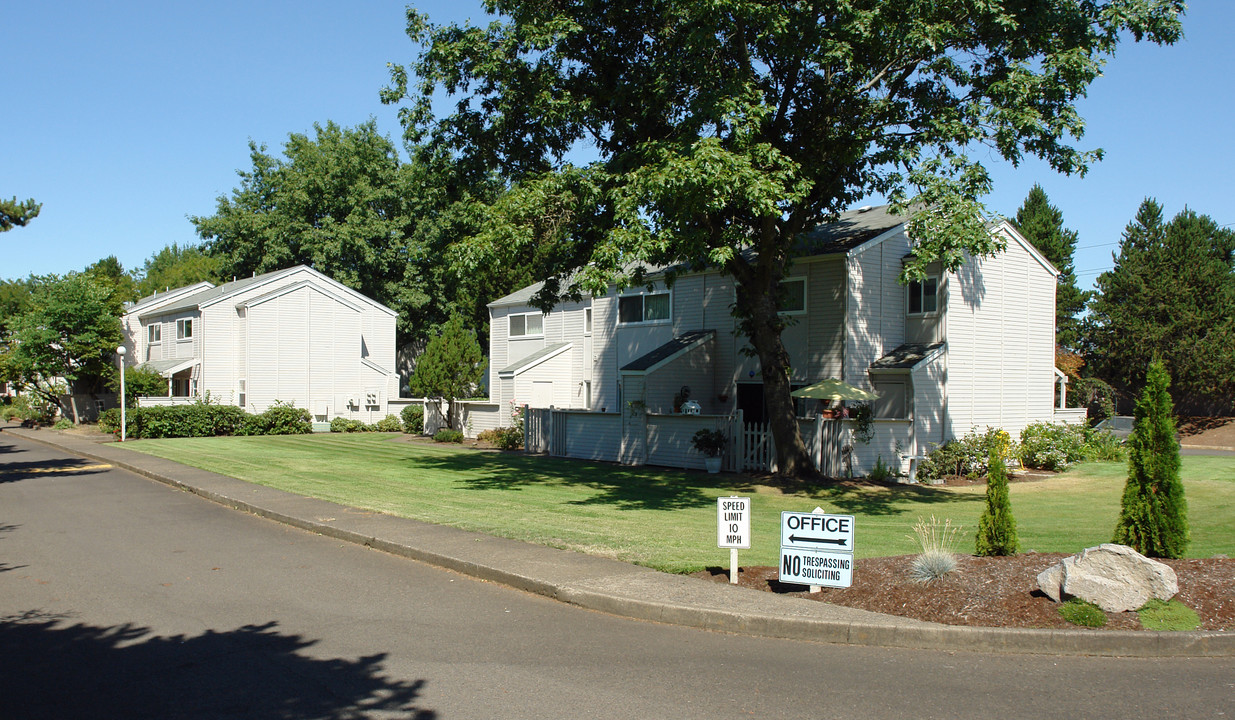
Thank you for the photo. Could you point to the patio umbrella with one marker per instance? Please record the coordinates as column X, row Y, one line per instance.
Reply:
column 833, row 389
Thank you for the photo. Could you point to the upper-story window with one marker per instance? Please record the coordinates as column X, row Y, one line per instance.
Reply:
column 651, row 307
column 184, row 329
column 924, row 296
column 793, row 296
column 527, row 325
column 587, row 321
column 154, row 333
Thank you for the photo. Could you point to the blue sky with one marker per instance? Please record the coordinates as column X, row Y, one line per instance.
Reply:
column 125, row 118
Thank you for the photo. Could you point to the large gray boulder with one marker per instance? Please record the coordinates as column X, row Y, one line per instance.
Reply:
column 1116, row 578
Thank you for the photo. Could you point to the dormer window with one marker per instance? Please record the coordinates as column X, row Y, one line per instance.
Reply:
column 924, row 296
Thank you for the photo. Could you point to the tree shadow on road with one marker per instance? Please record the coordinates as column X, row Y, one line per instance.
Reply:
column 16, row 471
column 51, row 669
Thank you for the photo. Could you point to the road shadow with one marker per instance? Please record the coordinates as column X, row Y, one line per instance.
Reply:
column 51, row 669
column 17, row 471
column 622, row 486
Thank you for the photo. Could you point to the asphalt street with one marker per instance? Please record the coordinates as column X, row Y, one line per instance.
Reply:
column 125, row 598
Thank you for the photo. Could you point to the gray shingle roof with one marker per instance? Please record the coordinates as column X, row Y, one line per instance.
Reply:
column 678, row 345
column 198, row 298
column 849, row 231
column 533, row 359
column 906, row 356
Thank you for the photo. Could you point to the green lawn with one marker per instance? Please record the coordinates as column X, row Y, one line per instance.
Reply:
column 667, row 519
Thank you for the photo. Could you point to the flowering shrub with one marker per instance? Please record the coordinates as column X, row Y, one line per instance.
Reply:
column 968, row 456
column 1056, row 446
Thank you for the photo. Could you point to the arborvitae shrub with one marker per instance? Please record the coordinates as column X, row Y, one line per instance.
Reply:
column 1153, row 517
column 997, row 527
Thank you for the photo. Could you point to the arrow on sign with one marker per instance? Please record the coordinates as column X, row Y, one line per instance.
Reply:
column 829, row 541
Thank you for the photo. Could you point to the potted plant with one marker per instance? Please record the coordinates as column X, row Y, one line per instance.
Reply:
column 712, row 444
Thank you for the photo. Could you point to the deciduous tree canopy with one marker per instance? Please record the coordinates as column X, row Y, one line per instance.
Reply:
column 175, row 266
column 70, row 333
column 723, row 131
column 344, row 204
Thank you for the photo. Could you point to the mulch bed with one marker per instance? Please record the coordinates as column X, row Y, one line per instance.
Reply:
column 992, row 592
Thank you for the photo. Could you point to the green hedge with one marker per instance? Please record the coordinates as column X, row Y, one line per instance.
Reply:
column 206, row 420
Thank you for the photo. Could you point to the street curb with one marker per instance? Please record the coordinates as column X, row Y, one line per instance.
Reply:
column 796, row 622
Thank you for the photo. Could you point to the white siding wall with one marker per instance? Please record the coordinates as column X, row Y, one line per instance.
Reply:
column 554, row 371
column 876, row 312
column 593, row 436
column 694, row 370
column 929, row 406
column 1001, row 340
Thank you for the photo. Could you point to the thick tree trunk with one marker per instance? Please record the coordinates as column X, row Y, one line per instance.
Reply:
column 792, row 458
column 757, row 310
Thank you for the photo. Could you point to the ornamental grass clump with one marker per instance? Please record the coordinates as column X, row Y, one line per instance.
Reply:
column 938, row 542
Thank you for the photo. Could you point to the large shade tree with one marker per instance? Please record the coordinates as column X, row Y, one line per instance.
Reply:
column 1171, row 297
column 332, row 202
column 69, row 333
column 343, row 203
column 724, row 130
column 177, row 266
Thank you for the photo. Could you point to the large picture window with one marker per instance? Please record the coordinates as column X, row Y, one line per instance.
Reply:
column 184, row 329
column 651, row 307
column 924, row 296
column 527, row 325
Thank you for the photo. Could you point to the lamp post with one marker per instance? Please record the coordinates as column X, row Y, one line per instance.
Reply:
column 120, row 351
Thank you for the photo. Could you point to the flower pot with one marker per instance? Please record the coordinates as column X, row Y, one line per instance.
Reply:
column 712, row 464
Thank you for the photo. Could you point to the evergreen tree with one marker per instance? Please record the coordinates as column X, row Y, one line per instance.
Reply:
column 997, row 527
column 1170, row 296
column 1042, row 224
column 1153, row 517
column 17, row 214
column 451, row 367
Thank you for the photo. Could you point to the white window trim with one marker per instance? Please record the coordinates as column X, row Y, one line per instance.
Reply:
column 922, row 296
column 154, row 329
column 805, row 295
column 632, row 323
column 510, row 319
column 588, row 318
column 181, row 324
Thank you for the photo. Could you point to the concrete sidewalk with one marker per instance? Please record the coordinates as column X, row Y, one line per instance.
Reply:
column 622, row 589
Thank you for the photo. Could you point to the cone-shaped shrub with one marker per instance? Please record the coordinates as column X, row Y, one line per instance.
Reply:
column 997, row 527
column 1153, row 518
